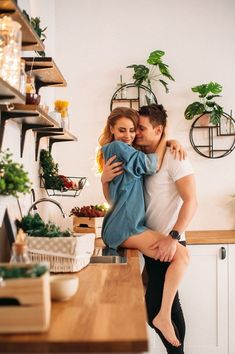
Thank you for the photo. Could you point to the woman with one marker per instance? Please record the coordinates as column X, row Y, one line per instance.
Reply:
column 124, row 225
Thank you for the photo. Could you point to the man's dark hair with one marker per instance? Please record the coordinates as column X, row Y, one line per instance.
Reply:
column 156, row 113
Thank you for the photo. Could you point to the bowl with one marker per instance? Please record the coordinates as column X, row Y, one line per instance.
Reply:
column 63, row 286
column 33, row 98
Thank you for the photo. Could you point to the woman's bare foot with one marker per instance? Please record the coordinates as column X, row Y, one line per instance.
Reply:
column 167, row 329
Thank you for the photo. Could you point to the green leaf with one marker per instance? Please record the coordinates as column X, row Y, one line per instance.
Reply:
column 215, row 115
column 210, row 104
column 155, row 57
column 214, row 87
column 165, row 84
column 165, row 71
column 212, row 96
column 193, row 110
column 203, row 90
column 140, row 74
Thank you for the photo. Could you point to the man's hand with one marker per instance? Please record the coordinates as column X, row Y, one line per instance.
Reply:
column 111, row 170
column 165, row 249
column 177, row 149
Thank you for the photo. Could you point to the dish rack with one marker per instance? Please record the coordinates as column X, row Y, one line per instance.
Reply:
column 64, row 254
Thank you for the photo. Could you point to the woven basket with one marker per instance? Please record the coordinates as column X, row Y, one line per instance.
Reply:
column 65, row 254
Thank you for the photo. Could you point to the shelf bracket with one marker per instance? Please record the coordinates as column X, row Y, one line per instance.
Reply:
column 2, row 128
column 53, row 141
column 43, row 134
column 24, row 129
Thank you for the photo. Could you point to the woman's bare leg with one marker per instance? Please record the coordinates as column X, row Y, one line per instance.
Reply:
column 174, row 274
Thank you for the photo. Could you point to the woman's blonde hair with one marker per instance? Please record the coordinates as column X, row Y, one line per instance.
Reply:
column 107, row 137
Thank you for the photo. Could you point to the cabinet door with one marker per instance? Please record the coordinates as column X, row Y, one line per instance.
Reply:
column 204, row 298
column 231, row 276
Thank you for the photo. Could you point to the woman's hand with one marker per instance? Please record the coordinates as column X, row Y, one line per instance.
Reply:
column 177, row 149
column 111, row 170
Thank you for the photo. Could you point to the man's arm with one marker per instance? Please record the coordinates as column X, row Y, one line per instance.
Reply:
column 186, row 187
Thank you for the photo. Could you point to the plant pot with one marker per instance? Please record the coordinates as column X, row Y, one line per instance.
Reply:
column 204, row 120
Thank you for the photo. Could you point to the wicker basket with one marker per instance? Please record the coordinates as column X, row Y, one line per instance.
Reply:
column 65, row 254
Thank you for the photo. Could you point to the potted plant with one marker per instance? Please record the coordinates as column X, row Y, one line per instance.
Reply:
column 35, row 23
column 155, row 69
column 13, row 179
column 206, row 103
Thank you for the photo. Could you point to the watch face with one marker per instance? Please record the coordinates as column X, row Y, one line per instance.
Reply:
column 175, row 234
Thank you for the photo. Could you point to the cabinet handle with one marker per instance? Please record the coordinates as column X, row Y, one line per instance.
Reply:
column 223, row 253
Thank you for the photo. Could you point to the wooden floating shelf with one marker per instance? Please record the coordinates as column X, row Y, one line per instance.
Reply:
column 34, row 118
column 9, row 94
column 46, row 72
column 30, row 39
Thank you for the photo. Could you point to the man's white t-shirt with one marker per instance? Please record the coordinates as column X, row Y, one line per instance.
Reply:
column 162, row 199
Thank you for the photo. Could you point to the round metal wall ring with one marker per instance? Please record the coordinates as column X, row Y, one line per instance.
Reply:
column 213, row 141
column 133, row 96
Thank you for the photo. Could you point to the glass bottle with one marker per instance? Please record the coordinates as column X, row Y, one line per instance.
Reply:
column 19, row 253
column 23, row 77
column 30, row 84
column 121, row 87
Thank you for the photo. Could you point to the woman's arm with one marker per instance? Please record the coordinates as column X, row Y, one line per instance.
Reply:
column 160, row 151
column 177, row 149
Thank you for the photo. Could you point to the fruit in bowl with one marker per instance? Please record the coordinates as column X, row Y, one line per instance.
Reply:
column 90, row 211
column 33, row 98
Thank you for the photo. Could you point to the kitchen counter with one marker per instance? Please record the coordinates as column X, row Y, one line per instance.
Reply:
column 210, row 237
column 107, row 314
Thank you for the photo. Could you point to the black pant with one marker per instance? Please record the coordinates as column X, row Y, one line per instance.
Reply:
column 156, row 271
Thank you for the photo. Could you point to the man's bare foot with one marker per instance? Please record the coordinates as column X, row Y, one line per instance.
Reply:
column 167, row 329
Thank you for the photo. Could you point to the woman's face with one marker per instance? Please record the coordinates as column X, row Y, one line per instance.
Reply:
column 124, row 130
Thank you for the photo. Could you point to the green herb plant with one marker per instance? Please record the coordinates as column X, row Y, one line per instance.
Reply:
column 35, row 23
column 33, row 225
column 206, row 103
column 13, row 179
column 50, row 171
column 154, row 71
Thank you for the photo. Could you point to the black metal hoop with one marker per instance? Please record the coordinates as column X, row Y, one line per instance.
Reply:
column 211, row 129
column 145, row 88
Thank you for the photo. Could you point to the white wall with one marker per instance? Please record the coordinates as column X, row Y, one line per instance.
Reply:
column 96, row 40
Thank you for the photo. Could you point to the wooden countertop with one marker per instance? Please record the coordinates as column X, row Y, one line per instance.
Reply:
column 210, row 237
column 107, row 314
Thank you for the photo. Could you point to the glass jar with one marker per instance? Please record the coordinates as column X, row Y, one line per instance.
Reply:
column 19, row 253
column 10, row 51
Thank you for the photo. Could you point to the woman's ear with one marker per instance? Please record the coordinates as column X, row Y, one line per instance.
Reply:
column 111, row 129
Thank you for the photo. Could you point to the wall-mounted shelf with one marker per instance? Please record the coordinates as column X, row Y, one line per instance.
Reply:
column 9, row 94
column 135, row 96
column 46, row 72
column 213, row 141
column 30, row 39
column 30, row 116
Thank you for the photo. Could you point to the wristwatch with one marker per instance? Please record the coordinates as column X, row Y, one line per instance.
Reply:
column 175, row 234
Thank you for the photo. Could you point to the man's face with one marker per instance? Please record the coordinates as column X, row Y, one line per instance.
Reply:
column 146, row 135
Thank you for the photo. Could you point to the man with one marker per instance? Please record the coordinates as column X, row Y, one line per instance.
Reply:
column 171, row 202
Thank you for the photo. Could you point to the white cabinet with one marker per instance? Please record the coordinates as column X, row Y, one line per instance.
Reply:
column 204, row 297
column 207, row 296
column 231, row 313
